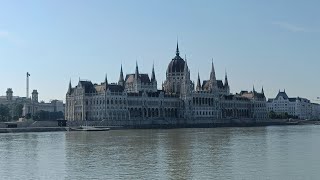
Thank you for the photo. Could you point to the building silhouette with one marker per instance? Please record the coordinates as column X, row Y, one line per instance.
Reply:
column 135, row 99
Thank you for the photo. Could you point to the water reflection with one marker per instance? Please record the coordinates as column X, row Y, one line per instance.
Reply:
column 283, row 152
column 26, row 155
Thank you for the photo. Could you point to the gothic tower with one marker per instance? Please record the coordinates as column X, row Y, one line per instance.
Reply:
column 35, row 96
column 176, row 72
column 9, row 94
column 226, row 84
column 213, row 81
column 198, row 88
column 121, row 79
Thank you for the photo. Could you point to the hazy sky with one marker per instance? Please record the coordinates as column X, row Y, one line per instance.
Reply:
column 275, row 44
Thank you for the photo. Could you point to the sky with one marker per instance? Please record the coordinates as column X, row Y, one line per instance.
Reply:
column 274, row 44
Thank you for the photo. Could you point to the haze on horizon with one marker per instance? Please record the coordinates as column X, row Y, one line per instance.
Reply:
column 274, row 44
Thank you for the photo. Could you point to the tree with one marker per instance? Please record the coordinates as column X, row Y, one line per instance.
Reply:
column 17, row 111
column 28, row 116
column 47, row 116
column 4, row 113
column 272, row 115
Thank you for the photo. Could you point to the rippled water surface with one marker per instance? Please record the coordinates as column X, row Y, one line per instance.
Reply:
column 278, row 152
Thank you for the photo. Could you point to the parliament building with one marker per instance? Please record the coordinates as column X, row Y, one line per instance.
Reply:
column 135, row 99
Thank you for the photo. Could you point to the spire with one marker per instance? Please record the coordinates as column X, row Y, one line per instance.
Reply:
column 177, row 50
column 70, row 87
column 106, row 81
column 262, row 91
column 153, row 76
column 121, row 79
column 213, row 73
column 137, row 71
column 198, row 83
column 226, row 79
column 185, row 68
column 253, row 90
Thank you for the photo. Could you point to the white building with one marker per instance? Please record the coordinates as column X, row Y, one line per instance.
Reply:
column 135, row 99
column 33, row 105
column 315, row 111
column 300, row 107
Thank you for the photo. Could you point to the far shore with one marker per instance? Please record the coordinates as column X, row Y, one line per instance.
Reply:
column 51, row 127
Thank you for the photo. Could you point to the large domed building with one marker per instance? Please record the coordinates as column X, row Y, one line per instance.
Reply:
column 177, row 72
column 135, row 100
column 177, row 64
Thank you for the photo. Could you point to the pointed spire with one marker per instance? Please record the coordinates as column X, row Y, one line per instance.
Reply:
column 121, row 73
column 226, row 79
column 153, row 76
column 177, row 50
column 213, row 73
column 70, row 87
column 185, row 68
column 121, row 79
column 106, row 81
column 253, row 90
column 262, row 91
column 198, row 83
column 137, row 71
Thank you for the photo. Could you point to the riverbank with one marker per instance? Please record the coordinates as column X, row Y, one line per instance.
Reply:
column 163, row 126
column 214, row 125
column 32, row 129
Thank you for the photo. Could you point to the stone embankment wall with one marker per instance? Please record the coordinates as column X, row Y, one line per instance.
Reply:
column 174, row 123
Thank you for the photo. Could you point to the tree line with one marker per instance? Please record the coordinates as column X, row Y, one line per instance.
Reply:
column 13, row 112
column 274, row 115
column 10, row 112
column 47, row 116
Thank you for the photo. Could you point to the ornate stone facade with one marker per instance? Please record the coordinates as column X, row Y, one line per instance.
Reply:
column 135, row 99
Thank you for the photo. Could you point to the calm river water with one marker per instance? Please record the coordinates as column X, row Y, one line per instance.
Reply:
column 277, row 152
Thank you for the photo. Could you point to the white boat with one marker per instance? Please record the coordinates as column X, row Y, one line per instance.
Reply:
column 89, row 128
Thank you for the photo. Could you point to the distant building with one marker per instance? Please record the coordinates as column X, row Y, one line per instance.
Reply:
column 12, row 102
column 32, row 106
column 135, row 99
column 258, row 103
column 300, row 107
column 315, row 111
column 10, row 99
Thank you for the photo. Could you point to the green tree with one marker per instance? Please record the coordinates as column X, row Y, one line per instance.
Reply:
column 28, row 116
column 17, row 111
column 4, row 113
column 48, row 116
column 272, row 115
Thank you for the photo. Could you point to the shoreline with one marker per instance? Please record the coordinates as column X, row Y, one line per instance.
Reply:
column 161, row 126
column 32, row 129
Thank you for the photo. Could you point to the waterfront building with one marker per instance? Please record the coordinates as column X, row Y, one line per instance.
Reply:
column 32, row 106
column 258, row 103
column 135, row 99
column 13, row 103
column 297, row 106
column 10, row 99
column 315, row 111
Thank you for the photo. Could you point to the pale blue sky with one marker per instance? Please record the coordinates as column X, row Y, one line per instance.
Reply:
column 274, row 44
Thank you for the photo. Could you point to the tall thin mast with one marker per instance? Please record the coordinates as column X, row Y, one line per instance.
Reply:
column 27, row 91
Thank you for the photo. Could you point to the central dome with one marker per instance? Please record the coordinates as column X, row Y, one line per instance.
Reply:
column 176, row 64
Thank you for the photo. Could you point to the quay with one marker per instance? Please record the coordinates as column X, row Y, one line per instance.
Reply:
column 234, row 123
column 32, row 129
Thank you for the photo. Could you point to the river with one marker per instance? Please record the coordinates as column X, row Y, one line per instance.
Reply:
column 274, row 152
